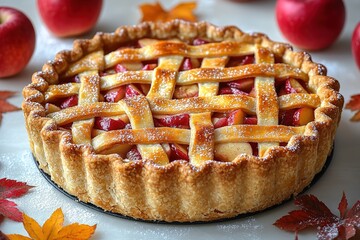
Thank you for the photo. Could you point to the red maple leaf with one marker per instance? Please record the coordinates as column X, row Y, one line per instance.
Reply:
column 4, row 105
column 315, row 214
column 11, row 189
column 3, row 236
column 354, row 105
column 9, row 209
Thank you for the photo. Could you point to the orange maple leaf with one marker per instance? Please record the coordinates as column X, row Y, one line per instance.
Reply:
column 53, row 229
column 155, row 12
column 354, row 105
column 4, row 105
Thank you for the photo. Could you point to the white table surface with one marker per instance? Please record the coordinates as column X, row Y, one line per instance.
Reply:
column 254, row 16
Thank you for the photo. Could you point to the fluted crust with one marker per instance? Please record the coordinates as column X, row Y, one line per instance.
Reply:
column 180, row 191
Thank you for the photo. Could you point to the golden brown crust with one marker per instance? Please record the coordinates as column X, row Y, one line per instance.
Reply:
column 180, row 191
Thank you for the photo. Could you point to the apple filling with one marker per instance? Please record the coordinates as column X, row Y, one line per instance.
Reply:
column 222, row 151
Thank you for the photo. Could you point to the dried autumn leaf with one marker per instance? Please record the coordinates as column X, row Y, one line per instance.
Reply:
column 33, row 228
column 76, row 231
column 53, row 229
column 4, row 105
column 3, row 236
column 155, row 12
column 53, row 225
column 354, row 105
column 315, row 213
column 12, row 189
column 9, row 209
column 18, row 237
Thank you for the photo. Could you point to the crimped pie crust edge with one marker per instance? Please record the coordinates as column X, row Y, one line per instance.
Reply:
column 179, row 191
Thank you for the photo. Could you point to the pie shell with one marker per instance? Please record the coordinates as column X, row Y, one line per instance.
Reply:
column 180, row 191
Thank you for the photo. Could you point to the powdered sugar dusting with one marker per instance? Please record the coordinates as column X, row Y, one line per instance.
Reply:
column 248, row 229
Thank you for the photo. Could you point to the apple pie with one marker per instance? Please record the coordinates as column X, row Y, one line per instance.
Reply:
column 182, row 121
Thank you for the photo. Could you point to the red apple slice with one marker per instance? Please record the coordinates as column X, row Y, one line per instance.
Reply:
column 242, row 60
column 231, row 90
column 134, row 154
column 69, row 102
column 286, row 117
column 120, row 68
column 132, row 91
column 108, row 124
column 220, row 122
column 186, row 91
column 50, row 108
column 115, row 95
column 150, row 66
column 178, row 152
column 255, row 148
column 236, row 117
column 303, row 116
column 186, row 65
column 167, row 149
column 176, row 121
column 293, row 86
column 245, row 85
column 250, row 120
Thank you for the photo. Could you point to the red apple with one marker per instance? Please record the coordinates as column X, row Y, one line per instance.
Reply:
column 66, row 18
column 355, row 44
column 311, row 25
column 17, row 41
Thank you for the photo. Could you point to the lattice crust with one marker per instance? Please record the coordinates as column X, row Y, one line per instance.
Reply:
column 163, row 80
column 95, row 161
